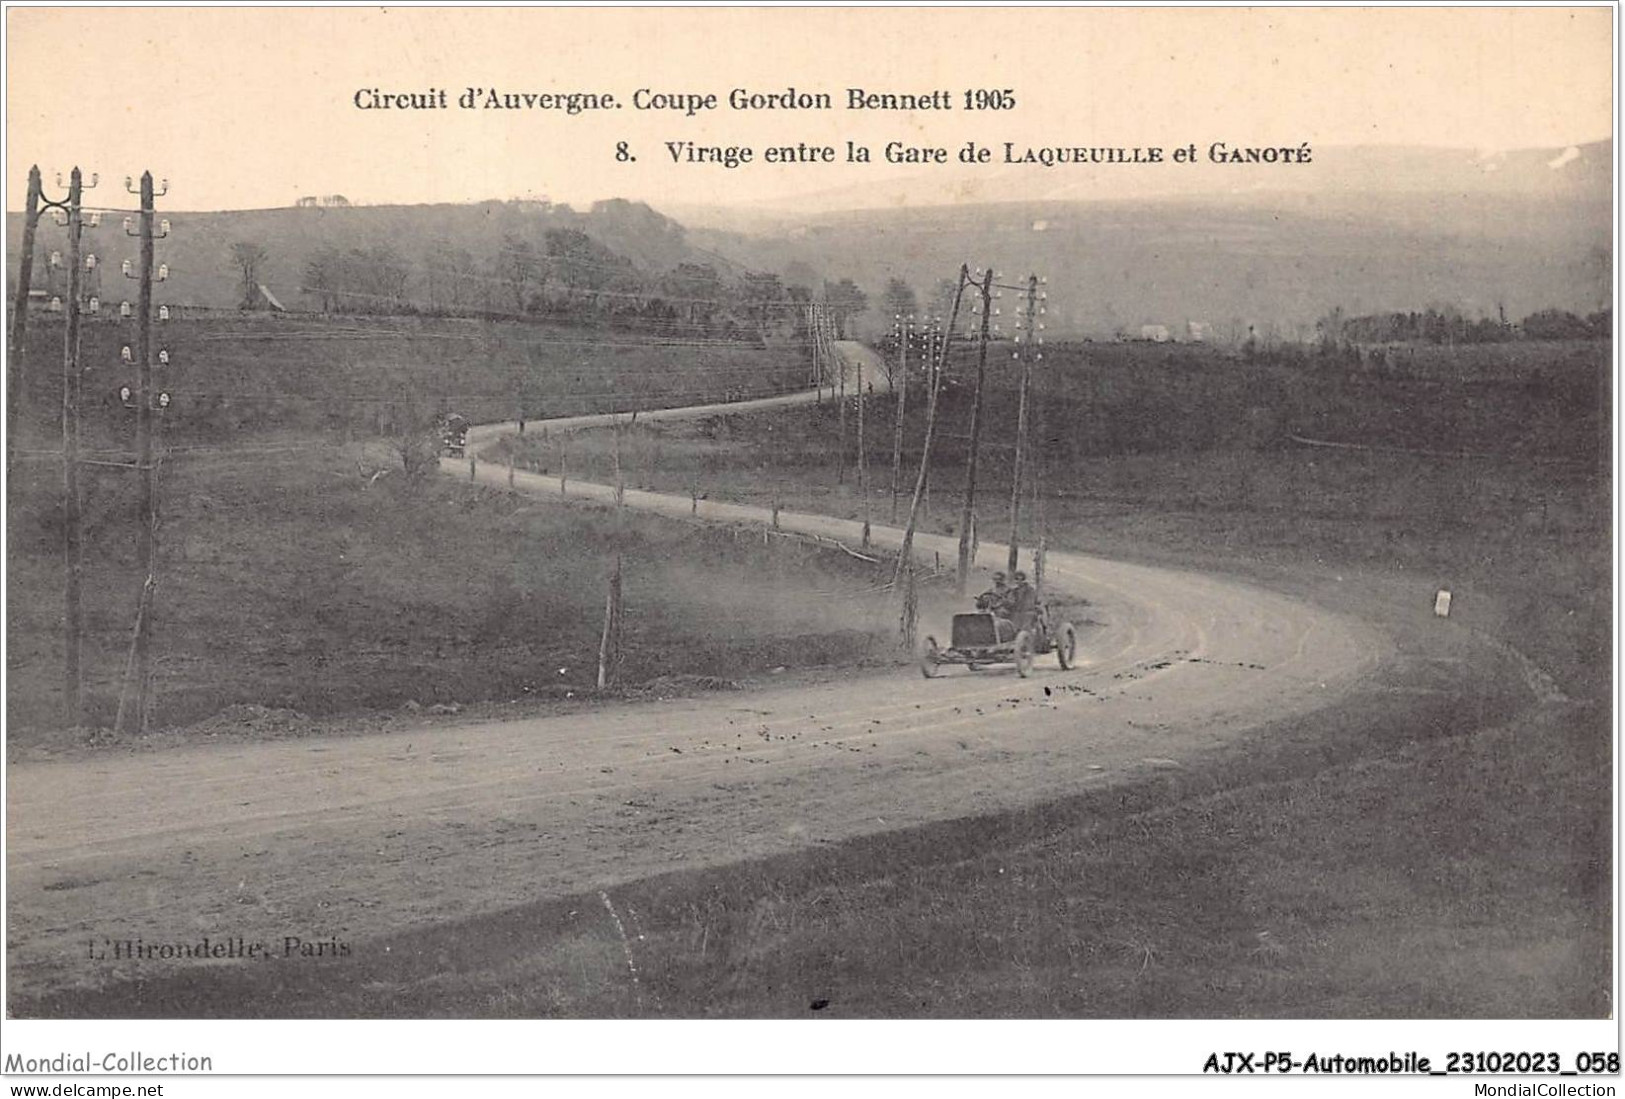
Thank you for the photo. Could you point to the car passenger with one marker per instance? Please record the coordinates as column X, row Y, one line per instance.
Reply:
column 1022, row 604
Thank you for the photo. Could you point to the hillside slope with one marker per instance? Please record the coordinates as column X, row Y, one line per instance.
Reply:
column 198, row 249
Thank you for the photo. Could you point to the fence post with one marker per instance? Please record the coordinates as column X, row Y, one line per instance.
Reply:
column 471, row 461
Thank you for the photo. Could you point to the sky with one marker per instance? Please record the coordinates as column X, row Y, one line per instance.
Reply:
column 249, row 108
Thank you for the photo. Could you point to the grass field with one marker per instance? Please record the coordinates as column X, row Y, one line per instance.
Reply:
column 244, row 376
column 294, row 581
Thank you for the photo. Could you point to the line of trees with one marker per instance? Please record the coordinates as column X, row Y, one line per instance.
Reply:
column 1445, row 324
column 567, row 275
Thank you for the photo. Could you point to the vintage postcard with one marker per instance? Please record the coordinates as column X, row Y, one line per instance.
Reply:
column 1096, row 516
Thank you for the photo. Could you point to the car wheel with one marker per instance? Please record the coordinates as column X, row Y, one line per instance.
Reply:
column 930, row 658
column 1066, row 646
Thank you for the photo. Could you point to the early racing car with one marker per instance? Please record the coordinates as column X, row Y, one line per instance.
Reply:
column 453, row 431
column 981, row 638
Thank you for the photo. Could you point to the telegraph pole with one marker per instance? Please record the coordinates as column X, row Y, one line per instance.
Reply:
column 144, row 401
column 930, row 428
column 1026, row 351
column 901, row 387
column 967, row 515
column 934, row 344
column 840, row 370
column 817, row 366
column 863, row 459
column 16, row 349
column 1040, row 550
column 609, row 644
column 72, row 551
column 143, row 444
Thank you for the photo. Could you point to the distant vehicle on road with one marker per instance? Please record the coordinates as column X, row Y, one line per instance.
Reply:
column 453, row 431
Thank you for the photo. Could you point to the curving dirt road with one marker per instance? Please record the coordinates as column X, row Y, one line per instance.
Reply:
column 360, row 836
column 851, row 354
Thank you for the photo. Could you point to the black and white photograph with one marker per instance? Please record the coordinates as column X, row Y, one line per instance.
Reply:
column 945, row 516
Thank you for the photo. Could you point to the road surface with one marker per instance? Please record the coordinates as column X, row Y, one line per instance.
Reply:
column 851, row 353
column 363, row 836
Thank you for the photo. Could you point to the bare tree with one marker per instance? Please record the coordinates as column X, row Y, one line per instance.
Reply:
column 248, row 258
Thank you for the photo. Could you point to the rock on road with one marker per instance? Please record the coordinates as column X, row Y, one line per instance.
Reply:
column 368, row 835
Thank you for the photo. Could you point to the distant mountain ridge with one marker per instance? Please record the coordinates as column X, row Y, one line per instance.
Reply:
column 1368, row 230
column 1569, row 172
column 1371, row 230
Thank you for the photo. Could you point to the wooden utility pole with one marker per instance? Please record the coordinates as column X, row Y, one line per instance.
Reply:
column 1040, row 550
column 932, row 372
column 840, row 370
column 967, row 514
column 620, row 484
column 817, row 363
column 610, row 644
column 863, row 458
column 145, row 396
column 17, row 336
column 73, row 623
column 140, row 667
column 900, row 388
column 1026, row 351
column 903, row 555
